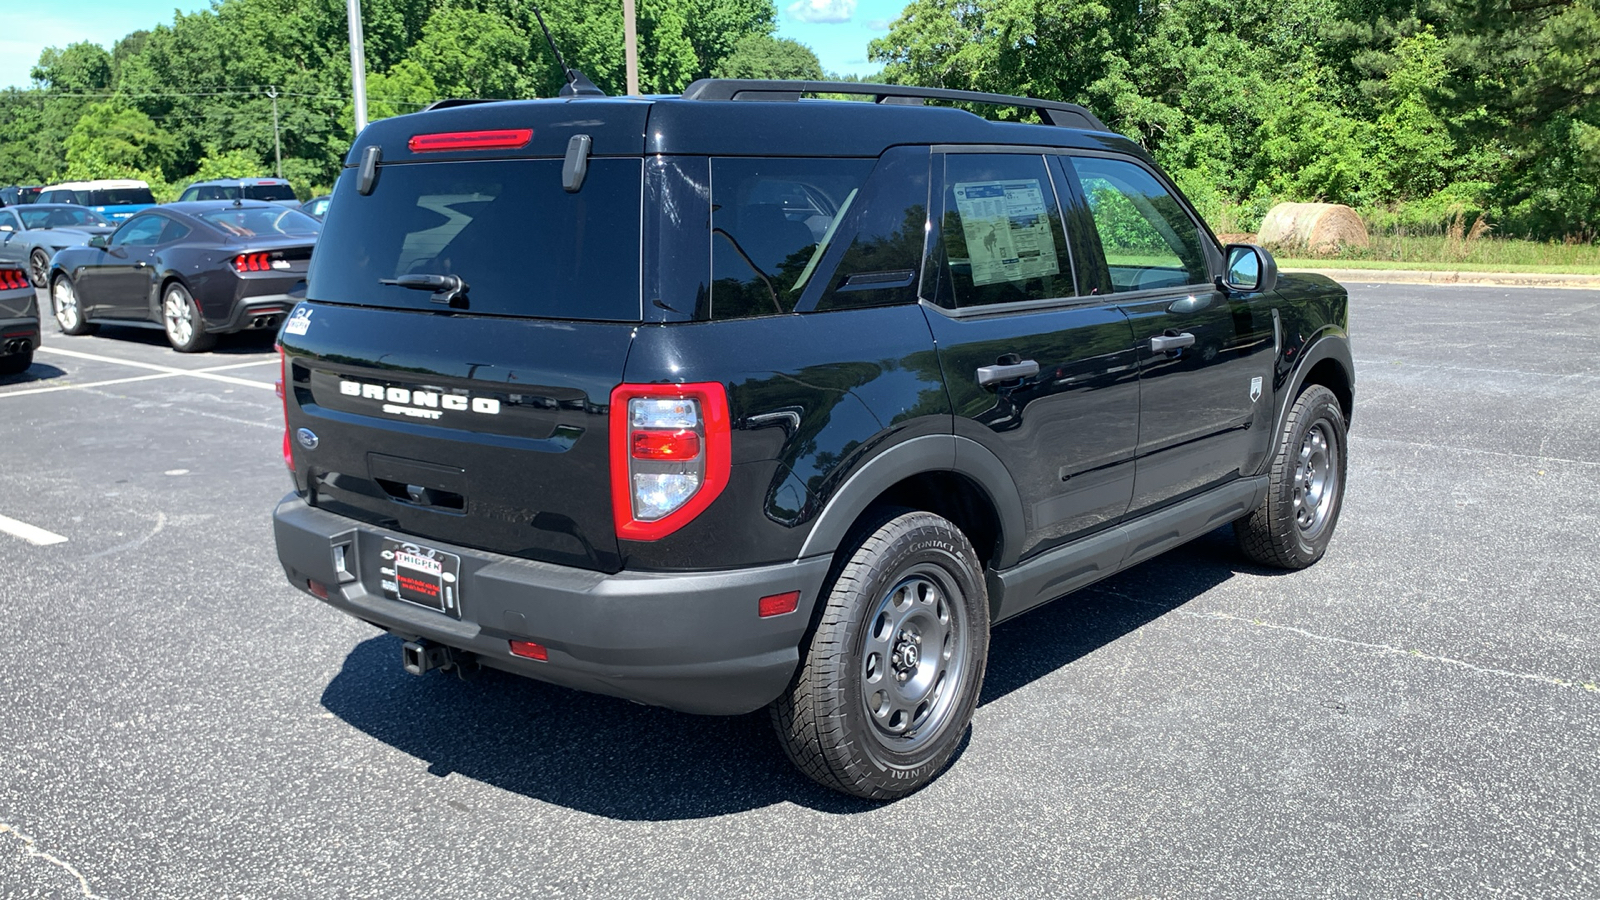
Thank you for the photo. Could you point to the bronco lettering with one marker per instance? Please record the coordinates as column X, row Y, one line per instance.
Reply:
column 418, row 404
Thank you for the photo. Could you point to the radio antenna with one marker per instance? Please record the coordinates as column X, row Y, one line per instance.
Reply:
column 578, row 84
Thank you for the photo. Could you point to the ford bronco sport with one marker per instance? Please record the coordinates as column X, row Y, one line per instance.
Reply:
column 747, row 399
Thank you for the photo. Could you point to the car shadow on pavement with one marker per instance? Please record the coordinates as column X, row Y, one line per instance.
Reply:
column 609, row 757
column 37, row 372
column 233, row 344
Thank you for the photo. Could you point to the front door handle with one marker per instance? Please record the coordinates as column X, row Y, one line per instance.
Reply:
column 1165, row 343
column 988, row 375
column 141, row 264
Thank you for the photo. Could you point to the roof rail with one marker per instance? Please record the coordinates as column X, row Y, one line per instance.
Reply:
column 1055, row 112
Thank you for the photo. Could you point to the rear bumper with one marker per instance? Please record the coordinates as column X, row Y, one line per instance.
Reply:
column 262, row 312
column 19, row 335
column 687, row 641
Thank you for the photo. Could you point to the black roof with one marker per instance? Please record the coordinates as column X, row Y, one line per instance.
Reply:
column 742, row 118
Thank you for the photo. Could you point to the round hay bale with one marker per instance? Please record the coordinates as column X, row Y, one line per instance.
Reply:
column 1318, row 227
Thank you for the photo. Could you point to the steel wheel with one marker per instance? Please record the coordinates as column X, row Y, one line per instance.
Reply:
column 39, row 268
column 912, row 660
column 1315, row 481
column 175, row 313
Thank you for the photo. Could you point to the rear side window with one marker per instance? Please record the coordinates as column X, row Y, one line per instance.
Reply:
column 770, row 222
column 523, row 245
column 1149, row 241
column 1003, row 239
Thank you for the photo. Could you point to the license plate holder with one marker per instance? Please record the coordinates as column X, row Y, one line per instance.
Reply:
column 421, row 575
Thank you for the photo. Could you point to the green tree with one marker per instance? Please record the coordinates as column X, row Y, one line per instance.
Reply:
column 112, row 137
column 762, row 56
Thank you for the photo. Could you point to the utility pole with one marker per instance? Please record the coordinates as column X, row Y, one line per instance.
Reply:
column 630, row 47
column 277, row 143
column 358, row 64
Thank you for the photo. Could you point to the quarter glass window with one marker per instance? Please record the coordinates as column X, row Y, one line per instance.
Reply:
column 771, row 221
column 1003, row 238
column 1148, row 239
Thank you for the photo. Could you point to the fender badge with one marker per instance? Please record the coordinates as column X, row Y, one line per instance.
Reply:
column 307, row 438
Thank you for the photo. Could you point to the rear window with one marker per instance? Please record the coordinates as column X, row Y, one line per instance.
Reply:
column 269, row 192
column 523, row 245
column 258, row 222
column 118, row 197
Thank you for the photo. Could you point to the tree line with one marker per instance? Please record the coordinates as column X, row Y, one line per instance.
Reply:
column 1420, row 113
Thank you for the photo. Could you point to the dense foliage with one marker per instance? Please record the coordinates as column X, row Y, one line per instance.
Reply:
column 1418, row 112
column 193, row 97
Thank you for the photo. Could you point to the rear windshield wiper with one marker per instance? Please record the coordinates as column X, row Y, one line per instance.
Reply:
column 447, row 289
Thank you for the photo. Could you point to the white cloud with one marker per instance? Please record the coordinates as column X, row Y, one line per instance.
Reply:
column 822, row 10
column 880, row 24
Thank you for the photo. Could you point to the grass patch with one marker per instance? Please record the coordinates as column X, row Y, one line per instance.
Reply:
column 1452, row 252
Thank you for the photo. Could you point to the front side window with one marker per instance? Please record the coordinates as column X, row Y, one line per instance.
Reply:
column 1002, row 232
column 8, row 222
column 771, row 221
column 140, row 231
column 1149, row 241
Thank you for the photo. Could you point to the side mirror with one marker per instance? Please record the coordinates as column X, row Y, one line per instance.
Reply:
column 99, row 241
column 1250, row 269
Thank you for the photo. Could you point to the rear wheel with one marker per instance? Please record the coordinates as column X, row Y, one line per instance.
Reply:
column 39, row 268
column 16, row 363
column 1292, row 527
column 186, row 328
column 69, row 315
column 889, row 681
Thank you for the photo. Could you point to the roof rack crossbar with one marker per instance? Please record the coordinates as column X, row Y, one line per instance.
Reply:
column 1055, row 112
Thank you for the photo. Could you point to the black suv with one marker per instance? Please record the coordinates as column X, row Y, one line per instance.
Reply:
column 743, row 399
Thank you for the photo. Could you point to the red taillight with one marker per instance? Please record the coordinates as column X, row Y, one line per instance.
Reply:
column 670, row 455
column 317, row 589
column 13, row 280
column 252, row 262
column 665, row 444
column 502, row 139
column 283, row 394
column 778, row 604
column 529, row 650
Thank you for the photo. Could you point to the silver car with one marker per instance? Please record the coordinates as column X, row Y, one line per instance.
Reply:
column 32, row 233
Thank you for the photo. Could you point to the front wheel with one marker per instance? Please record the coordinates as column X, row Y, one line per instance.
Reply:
column 39, row 268
column 64, row 301
column 1292, row 526
column 186, row 328
column 890, row 679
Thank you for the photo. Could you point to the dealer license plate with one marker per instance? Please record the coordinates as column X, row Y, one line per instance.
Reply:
column 422, row 575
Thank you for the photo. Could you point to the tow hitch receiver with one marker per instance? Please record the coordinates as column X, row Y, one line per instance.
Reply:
column 420, row 657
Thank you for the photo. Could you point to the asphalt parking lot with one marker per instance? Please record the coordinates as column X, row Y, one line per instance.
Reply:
column 1417, row 715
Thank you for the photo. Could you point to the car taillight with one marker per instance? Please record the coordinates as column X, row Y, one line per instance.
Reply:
column 670, row 455
column 13, row 280
column 283, row 394
column 252, row 262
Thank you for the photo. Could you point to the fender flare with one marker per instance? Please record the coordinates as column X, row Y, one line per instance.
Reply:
column 929, row 453
column 1334, row 346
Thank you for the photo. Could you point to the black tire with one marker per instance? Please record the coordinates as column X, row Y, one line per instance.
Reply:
column 914, row 578
column 39, row 268
column 1292, row 527
column 16, row 363
column 68, row 311
column 182, row 321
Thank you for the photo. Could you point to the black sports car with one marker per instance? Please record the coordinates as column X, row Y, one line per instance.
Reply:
column 196, row 269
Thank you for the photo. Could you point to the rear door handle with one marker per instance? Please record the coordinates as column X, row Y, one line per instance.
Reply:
column 988, row 375
column 1163, row 343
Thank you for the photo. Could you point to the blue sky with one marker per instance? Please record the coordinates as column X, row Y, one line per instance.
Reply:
column 838, row 30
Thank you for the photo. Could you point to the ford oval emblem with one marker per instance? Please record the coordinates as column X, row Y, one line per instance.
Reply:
column 307, row 438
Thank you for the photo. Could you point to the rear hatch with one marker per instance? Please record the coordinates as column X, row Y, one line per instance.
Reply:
column 475, row 417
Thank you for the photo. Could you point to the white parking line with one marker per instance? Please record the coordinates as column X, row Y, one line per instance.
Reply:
column 207, row 373
column 30, row 533
column 92, row 384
